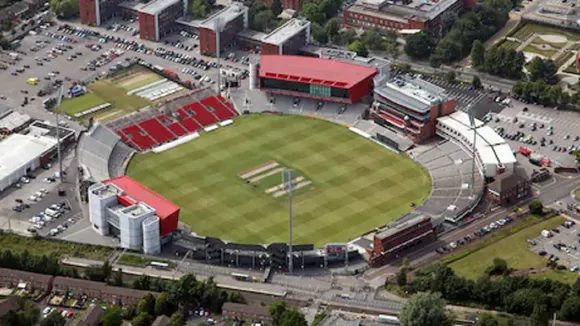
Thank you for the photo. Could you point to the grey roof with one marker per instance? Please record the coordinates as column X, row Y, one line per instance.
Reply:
column 412, row 93
column 92, row 316
column 155, row 6
column 4, row 110
column 161, row 321
column 398, row 227
column 288, row 30
column 226, row 15
column 14, row 120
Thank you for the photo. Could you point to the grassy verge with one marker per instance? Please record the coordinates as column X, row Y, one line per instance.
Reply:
column 572, row 69
column 539, row 40
column 141, row 261
column 546, row 53
column 505, row 44
column 318, row 319
column 472, row 262
column 563, row 58
column 528, row 29
column 39, row 246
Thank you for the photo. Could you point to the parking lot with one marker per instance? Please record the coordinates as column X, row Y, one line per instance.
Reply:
column 559, row 245
column 465, row 95
column 492, row 226
column 546, row 131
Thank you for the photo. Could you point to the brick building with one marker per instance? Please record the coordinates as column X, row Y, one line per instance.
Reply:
column 393, row 241
column 96, row 290
column 287, row 4
column 248, row 313
column 402, row 15
column 287, row 39
column 157, row 18
column 410, row 106
column 96, row 12
column 509, row 189
column 11, row 278
column 92, row 317
column 231, row 20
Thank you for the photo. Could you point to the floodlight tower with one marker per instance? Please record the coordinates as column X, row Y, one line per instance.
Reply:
column 474, row 128
column 287, row 176
column 218, row 30
column 57, row 108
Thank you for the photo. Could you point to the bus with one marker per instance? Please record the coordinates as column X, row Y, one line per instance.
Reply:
column 389, row 320
column 242, row 277
column 159, row 265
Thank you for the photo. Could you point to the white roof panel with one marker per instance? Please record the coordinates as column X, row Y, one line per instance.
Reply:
column 17, row 150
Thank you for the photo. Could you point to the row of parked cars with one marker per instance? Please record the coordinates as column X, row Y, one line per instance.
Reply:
column 49, row 215
column 49, row 310
column 77, row 31
column 479, row 233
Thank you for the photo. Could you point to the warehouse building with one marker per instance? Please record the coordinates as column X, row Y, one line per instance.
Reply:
column 493, row 154
column 141, row 218
column 231, row 20
column 157, row 18
column 315, row 78
column 404, row 16
column 287, row 39
column 410, row 105
column 21, row 154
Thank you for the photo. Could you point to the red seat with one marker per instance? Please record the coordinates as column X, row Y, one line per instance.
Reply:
column 135, row 134
column 172, row 125
column 228, row 104
column 202, row 115
column 157, row 130
column 190, row 124
column 218, row 108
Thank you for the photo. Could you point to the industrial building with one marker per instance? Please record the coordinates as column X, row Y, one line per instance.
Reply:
column 398, row 238
column 157, row 18
column 230, row 21
column 410, row 105
column 141, row 218
column 493, row 154
column 287, row 39
column 406, row 15
column 21, row 154
column 315, row 78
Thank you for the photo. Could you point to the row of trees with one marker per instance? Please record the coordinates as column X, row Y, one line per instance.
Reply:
column 497, row 61
column 282, row 315
column 513, row 294
column 65, row 9
column 478, row 24
column 544, row 94
column 262, row 18
column 200, row 8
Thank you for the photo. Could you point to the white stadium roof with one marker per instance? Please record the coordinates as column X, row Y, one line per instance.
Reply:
column 492, row 148
column 17, row 150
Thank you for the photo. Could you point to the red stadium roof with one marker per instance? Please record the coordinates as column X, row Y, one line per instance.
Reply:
column 139, row 192
column 311, row 70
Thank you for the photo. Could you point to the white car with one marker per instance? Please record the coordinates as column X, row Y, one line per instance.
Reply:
column 46, row 311
column 39, row 194
column 453, row 245
column 500, row 222
column 493, row 225
column 32, row 198
column 44, row 191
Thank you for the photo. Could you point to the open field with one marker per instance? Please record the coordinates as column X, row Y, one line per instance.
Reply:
column 357, row 185
column 528, row 29
column 109, row 91
column 512, row 248
column 41, row 246
column 546, row 53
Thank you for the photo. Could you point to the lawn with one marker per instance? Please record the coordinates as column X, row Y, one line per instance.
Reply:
column 539, row 40
column 512, row 248
column 563, row 58
column 140, row 261
column 509, row 44
column 546, row 53
column 41, row 246
column 104, row 91
column 529, row 29
column 357, row 185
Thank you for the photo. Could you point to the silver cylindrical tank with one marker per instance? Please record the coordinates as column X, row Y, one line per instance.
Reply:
column 254, row 75
column 151, row 236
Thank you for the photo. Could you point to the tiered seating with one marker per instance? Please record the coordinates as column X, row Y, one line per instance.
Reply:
column 138, row 137
column 174, row 126
column 218, row 107
column 157, row 130
column 227, row 103
column 187, row 121
column 202, row 115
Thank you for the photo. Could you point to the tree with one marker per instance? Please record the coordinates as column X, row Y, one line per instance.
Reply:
column 276, row 310
column 434, row 62
column 524, row 300
column 54, row 319
column 539, row 316
column 536, row 207
column 146, row 304
column 197, row 9
column 262, row 20
column 332, row 27
column 425, row 309
column 571, row 309
column 162, row 305
column 487, row 319
column 476, row 83
column 499, row 267
column 117, row 278
column 402, row 276
column 319, row 33
column 372, row 39
column 313, row 13
column 419, row 45
column 177, row 319
column 112, row 317
column 293, row 317
column 65, row 9
column 450, row 76
column 359, row 48
column 276, row 7
column 540, row 69
column 142, row 319
column 477, row 54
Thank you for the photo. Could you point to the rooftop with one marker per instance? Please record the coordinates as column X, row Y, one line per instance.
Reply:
column 224, row 16
column 283, row 33
column 139, row 192
column 230, row 307
column 14, row 120
column 507, row 182
column 154, row 7
column 92, row 316
column 412, row 93
column 417, row 9
column 492, row 148
column 390, row 231
column 67, row 283
column 17, row 150
column 310, row 70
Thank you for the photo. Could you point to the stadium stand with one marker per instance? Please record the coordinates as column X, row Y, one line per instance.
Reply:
column 96, row 147
column 181, row 116
column 120, row 154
